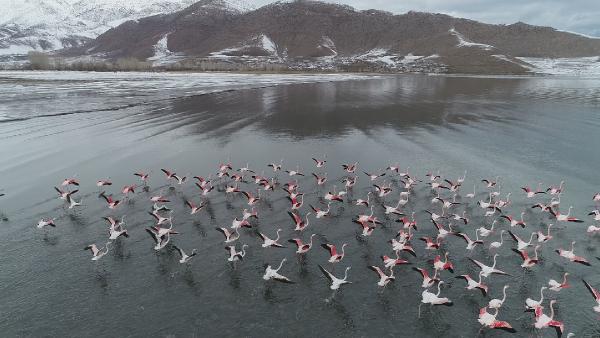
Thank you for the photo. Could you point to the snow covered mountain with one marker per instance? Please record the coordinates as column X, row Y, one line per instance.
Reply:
column 55, row 24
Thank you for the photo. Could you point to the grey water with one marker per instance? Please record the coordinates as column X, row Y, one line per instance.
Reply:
column 52, row 126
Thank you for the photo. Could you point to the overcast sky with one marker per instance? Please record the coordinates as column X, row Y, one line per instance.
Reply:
column 582, row 16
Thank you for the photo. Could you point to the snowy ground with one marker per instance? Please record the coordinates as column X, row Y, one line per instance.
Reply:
column 585, row 66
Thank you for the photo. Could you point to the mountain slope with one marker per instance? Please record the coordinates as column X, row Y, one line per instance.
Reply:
column 55, row 24
column 314, row 34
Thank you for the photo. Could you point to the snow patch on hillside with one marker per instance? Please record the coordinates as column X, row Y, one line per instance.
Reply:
column 464, row 42
column 162, row 55
column 584, row 66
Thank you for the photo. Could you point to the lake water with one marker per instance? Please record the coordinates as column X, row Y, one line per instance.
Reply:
column 56, row 125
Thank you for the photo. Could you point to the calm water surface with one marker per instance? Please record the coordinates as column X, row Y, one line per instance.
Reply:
column 52, row 126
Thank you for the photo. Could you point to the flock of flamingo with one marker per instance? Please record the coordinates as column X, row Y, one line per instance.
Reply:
column 448, row 223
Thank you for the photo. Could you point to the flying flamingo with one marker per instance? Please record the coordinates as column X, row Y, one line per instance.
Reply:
column 185, row 258
column 335, row 282
column 497, row 303
column 557, row 286
column 319, row 213
column 496, row 245
column 320, row 179
column 46, row 222
column 193, row 207
column 298, row 221
column 564, row 218
column 570, row 255
column 543, row 238
column 273, row 274
column 235, row 255
column 335, row 257
column 383, row 278
column 427, row 280
column 112, row 204
column 543, row 321
column 320, row 163
column 440, row 265
column 428, row 297
column 532, row 304
column 528, row 262
column 514, row 222
column 472, row 284
column 595, row 294
column 521, row 244
column 389, row 262
column 470, row 243
column 267, row 242
column 302, row 247
column 488, row 320
column 230, row 237
column 486, row 270
column 96, row 253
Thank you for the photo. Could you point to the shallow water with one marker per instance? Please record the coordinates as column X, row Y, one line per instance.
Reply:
column 526, row 130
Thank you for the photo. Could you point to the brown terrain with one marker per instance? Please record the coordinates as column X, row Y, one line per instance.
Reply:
column 307, row 34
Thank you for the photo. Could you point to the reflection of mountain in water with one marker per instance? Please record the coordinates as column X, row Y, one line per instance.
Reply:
column 334, row 109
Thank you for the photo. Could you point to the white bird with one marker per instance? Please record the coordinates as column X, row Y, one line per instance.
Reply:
column 270, row 242
column 496, row 245
column 185, row 257
column 428, row 297
column 273, row 274
column 235, row 255
column 97, row 254
column 46, row 222
column 486, row 270
column 230, row 236
column 383, row 278
column 532, row 304
column 160, row 241
column 557, row 286
column 335, row 282
column 497, row 303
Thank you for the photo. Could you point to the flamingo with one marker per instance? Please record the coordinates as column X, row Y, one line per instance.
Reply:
column 70, row 181
column 383, row 278
column 496, row 245
column 462, row 217
column 532, row 304
column 302, row 247
column 267, row 242
column 428, row 297
column 595, row 294
column 430, row 244
column 235, row 255
column 333, row 196
column 143, row 176
column 528, row 262
column 102, row 183
column 350, row 168
column 564, row 218
column 427, row 280
column 389, row 262
column 543, row 238
column 160, row 241
column 273, row 274
column 367, row 230
column 490, row 183
column 185, row 258
column 248, row 214
column 297, row 204
column 360, row 201
column 276, row 166
column 488, row 320
column 596, row 214
column 556, row 190
column 497, row 303
column 596, row 197
column 72, row 202
column 502, row 204
column 400, row 246
column 470, row 243
column 336, row 282
column 112, row 204
column 440, row 265
column 335, row 257
column 521, row 244
column 543, row 321
column 484, row 232
column 193, row 207
column 442, row 232
column 472, row 284
column 300, row 224
column 252, row 200
column 96, row 253
column 382, row 190
column 408, row 223
column 113, row 233
column 319, row 213
column 160, row 220
column 483, row 204
column 531, row 193
column 557, row 286
column 486, row 270
column 230, row 237
column 570, row 255
column 320, row 163
column 46, row 222
column 62, row 194
column 471, row 195
column 349, row 182
column 320, row 179
column 295, row 172
column 245, row 169
column 374, row 176
column 514, row 222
